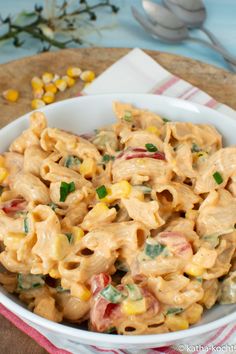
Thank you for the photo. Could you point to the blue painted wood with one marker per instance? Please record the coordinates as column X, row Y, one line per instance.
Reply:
column 121, row 30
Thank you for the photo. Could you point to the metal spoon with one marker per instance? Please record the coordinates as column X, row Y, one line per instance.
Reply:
column 170, row 29
column 192, row 13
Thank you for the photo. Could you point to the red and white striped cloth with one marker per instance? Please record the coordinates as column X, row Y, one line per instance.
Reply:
column 137, row 72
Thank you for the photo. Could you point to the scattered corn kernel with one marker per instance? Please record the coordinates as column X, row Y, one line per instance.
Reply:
column 133, row 307
column 69, row 80
column 153, row 129
column 87, row 76
column 88, row 167
column 117, row 190
column 176, row 323
column 48, row 97
column 38, row 93
column 99, row 209
column 78, row 233
column 73, row 71
column 37, row 103
column 54, row 273
column 61, row 84
column 47, row 77
column 11, row 95
column 193, row 313
column 80, row 291
column 36, row 83
column 194, row 270
column 50, row 87
column 2, row 161
column 12, row 240
column 3, row 174
column 60, row 247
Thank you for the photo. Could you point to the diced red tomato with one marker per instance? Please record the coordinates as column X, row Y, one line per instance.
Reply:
column 176, row 242
column 156, row 155
column 14, row 205
column 99, row 282
column 103, row 314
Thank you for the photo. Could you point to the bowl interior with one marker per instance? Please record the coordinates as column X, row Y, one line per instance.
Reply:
column 84, row 114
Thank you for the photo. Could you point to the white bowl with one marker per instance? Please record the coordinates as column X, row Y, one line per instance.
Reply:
column 81, row 115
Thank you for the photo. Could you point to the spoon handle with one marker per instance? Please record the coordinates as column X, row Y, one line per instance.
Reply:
column 216, row 41
column 221, row 51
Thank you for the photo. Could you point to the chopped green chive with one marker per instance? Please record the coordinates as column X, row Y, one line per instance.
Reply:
column 151, row 147
column 165, row 120
column 217, row 177
column 69, row 236
column 26, row 225
column 111, row 294
column 153, row 250
column 65, row 189
column 110, row 330
column 29, row 281
column 174, row 310
column 60, row 289
column 53, row 206
column 101, row 192
column 71, row 161
column 199, row 279
column 134, row 292
column 107, row 158
column 127, row 116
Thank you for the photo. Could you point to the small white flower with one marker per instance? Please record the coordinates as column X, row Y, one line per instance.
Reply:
column 47, row 31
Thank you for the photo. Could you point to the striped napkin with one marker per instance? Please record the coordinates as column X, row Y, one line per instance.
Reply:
column 137, row 72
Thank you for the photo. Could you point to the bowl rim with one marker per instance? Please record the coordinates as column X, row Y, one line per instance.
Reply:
column 100, row 338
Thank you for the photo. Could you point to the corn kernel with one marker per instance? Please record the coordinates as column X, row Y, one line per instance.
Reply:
column 73, row 71
column 135, row 193
column 61, row 84
column 2, row 161
column 50, row 87
column 80, row 291
column 118, row 190
column 11, row 95
column 69, row 80
column 176, row 323
column 60, row 247
column 36, row 83
column 99, row 209
column 37, row 103
column 38, row 93
column 54, row 273
column 48, row 97
column 12, row 240
column 153, row 129
column 193, row 313
column 3, row 174
column 88, row 167
column 78, row 234
column 194, row 270
column 55, row 77
column 87, row 76
column 47, row 77
column 133, row 307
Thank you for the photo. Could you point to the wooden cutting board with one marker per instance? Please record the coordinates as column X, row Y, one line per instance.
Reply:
column 17, row 74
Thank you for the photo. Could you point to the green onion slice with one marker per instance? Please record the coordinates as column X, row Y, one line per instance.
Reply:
column 110, row 330
column 153, row 250
column 29, row 281
column 217, row 177
column 111, row 294
column 71, row 161
column 106, row 158
column 134, row 292
column 174, row 310
column 101, row 192
column 65, row 189
column 69, row 236
column 60, row 289
column 143, row 188
column 127, row 116
column 165, row 120
column 26, row 225
column 195, row 148
column 151, row 147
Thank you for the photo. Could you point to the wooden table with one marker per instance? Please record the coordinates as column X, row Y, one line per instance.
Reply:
column 216, row 82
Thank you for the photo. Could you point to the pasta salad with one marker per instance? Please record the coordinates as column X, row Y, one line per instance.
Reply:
column 127, row 230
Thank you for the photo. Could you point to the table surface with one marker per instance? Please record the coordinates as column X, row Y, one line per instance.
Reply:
column 121, row 30
column 218, row 83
